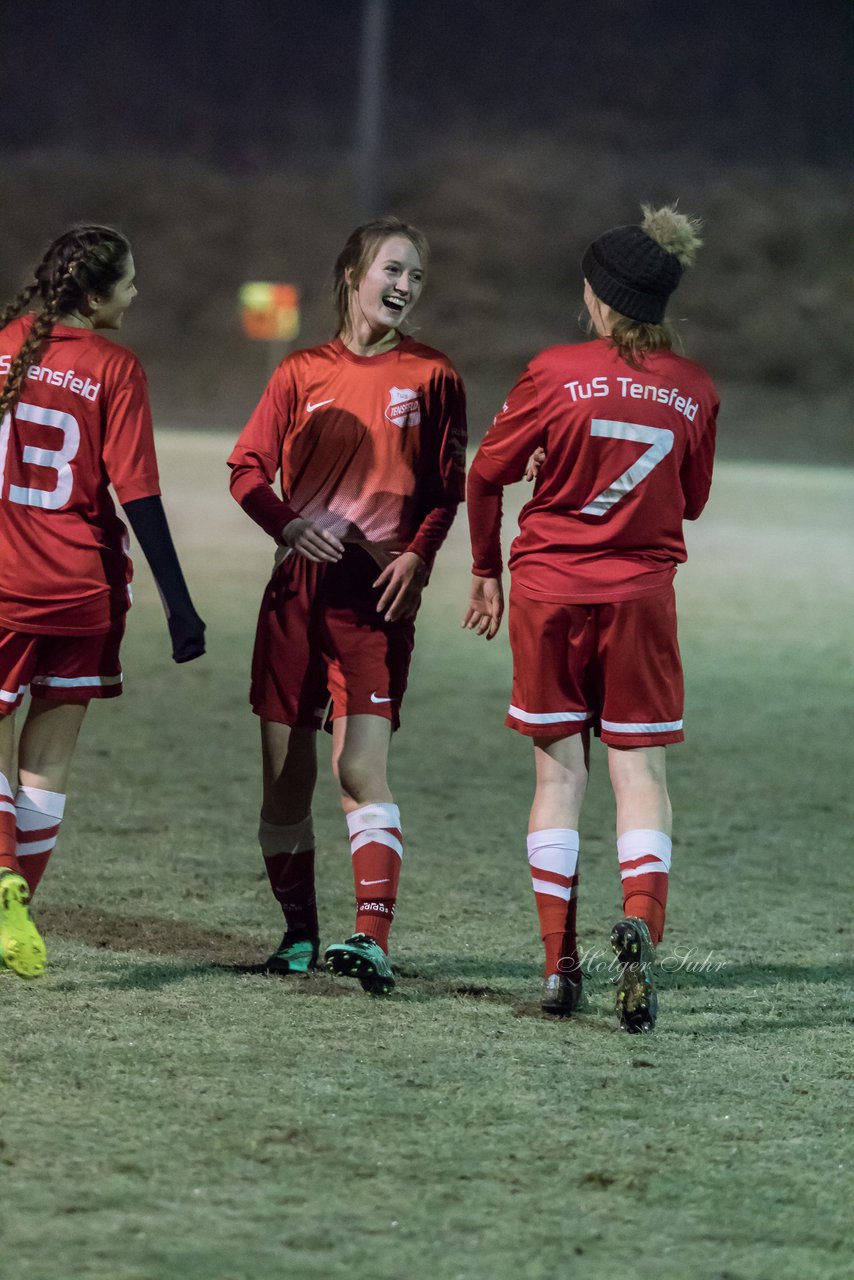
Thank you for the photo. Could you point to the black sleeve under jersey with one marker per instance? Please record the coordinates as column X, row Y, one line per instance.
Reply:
column 148, row 521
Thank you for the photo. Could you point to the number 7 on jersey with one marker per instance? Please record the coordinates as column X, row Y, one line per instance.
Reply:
column 660, row 442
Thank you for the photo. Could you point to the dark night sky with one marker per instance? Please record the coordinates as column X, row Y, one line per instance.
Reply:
column 244, row 83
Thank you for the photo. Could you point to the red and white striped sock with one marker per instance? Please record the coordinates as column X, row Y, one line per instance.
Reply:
column 8, row 860
column 38, row 814
column 553, row 859
column 376, row 844
column 289, row 859
column 644, row 870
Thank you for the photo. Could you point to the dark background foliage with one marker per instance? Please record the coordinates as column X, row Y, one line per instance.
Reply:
column 221, row 139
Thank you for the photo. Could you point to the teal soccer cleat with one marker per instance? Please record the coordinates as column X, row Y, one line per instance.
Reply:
column 363, row 958
column 294, row 954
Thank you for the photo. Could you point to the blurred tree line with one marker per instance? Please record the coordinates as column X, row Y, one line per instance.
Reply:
column 220, row 139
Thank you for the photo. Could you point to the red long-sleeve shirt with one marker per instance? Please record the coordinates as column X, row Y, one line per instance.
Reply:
column 371, row 448
column 81, row 423
column 629, row 456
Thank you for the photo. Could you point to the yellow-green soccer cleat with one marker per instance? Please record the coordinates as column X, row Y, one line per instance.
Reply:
column 363, row 958
column 20, row 942
column 637, row 1002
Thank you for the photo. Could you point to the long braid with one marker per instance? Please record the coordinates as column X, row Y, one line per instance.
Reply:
column 39, row 331
column 87, row 259
column 19, row 304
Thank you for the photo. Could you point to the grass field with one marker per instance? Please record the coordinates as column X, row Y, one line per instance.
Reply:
column 167, row 1116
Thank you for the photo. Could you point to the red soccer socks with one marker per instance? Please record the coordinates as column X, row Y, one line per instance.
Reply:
column 644, row 870
column 377, row 848
column 289, row 860
column 553, row 859
column 38, row 816
column 8, row 859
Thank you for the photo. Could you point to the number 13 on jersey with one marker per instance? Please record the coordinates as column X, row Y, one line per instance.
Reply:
column 58, row 460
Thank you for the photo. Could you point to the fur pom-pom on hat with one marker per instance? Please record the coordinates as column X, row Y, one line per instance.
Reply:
column 635, row 269
column 674, row 231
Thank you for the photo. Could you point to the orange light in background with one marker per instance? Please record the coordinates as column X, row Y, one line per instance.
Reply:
column 270, row 311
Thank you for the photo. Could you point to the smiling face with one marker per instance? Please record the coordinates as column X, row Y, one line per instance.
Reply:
column 388, row 290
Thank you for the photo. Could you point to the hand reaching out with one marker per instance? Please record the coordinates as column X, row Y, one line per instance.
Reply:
column 486, row 607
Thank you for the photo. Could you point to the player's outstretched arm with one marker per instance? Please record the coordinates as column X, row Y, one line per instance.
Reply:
column 485, row 608
column 148, row 521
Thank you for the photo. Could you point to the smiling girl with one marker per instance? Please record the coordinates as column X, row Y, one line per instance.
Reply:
column 74, row 418
column 367, row 433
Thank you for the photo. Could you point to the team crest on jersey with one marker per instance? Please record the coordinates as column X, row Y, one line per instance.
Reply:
column 404, row 407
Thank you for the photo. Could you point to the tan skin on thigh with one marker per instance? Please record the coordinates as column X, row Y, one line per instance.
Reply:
column 638, row 777
column 360, row 760
column 289, row 760
column 7, row 746
column 47, row 744
column 289, row 763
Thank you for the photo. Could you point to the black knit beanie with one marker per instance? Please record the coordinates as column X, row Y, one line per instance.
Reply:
column 631, row 273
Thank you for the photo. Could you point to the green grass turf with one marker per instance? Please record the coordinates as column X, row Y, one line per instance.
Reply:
column 167, row 1116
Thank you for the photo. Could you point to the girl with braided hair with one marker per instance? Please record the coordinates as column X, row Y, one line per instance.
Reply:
column 74, row 418
column 621, row 432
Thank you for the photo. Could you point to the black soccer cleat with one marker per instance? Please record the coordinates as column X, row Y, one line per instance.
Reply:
column 637, row 1002
column 561, row 995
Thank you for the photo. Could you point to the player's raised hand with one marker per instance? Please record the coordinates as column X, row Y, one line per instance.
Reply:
column 536, row 460
column 402, row 581
column 486, row 607
column 310, row 541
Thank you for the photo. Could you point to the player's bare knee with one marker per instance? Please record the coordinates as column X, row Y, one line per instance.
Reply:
column 359, row 779
column 565, row 787
column 638, row 772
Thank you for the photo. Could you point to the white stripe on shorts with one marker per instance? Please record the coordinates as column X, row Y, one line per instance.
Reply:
column 546, row 717
column 77, row 682
column 666, row 726
column 9, row 695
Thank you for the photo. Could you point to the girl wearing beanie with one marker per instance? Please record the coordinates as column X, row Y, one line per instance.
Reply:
column 622, row 433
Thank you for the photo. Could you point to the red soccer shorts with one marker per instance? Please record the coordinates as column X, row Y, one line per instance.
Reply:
column 614, row 668
column 319, row 636
column 59, row 668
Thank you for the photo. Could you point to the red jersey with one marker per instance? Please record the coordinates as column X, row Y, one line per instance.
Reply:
column 81, row 422
column 371, row 448
column 628, row 456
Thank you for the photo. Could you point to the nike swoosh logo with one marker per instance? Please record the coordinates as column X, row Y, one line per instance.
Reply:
column 385, row 880
column 310, row 408
column 374, row 698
